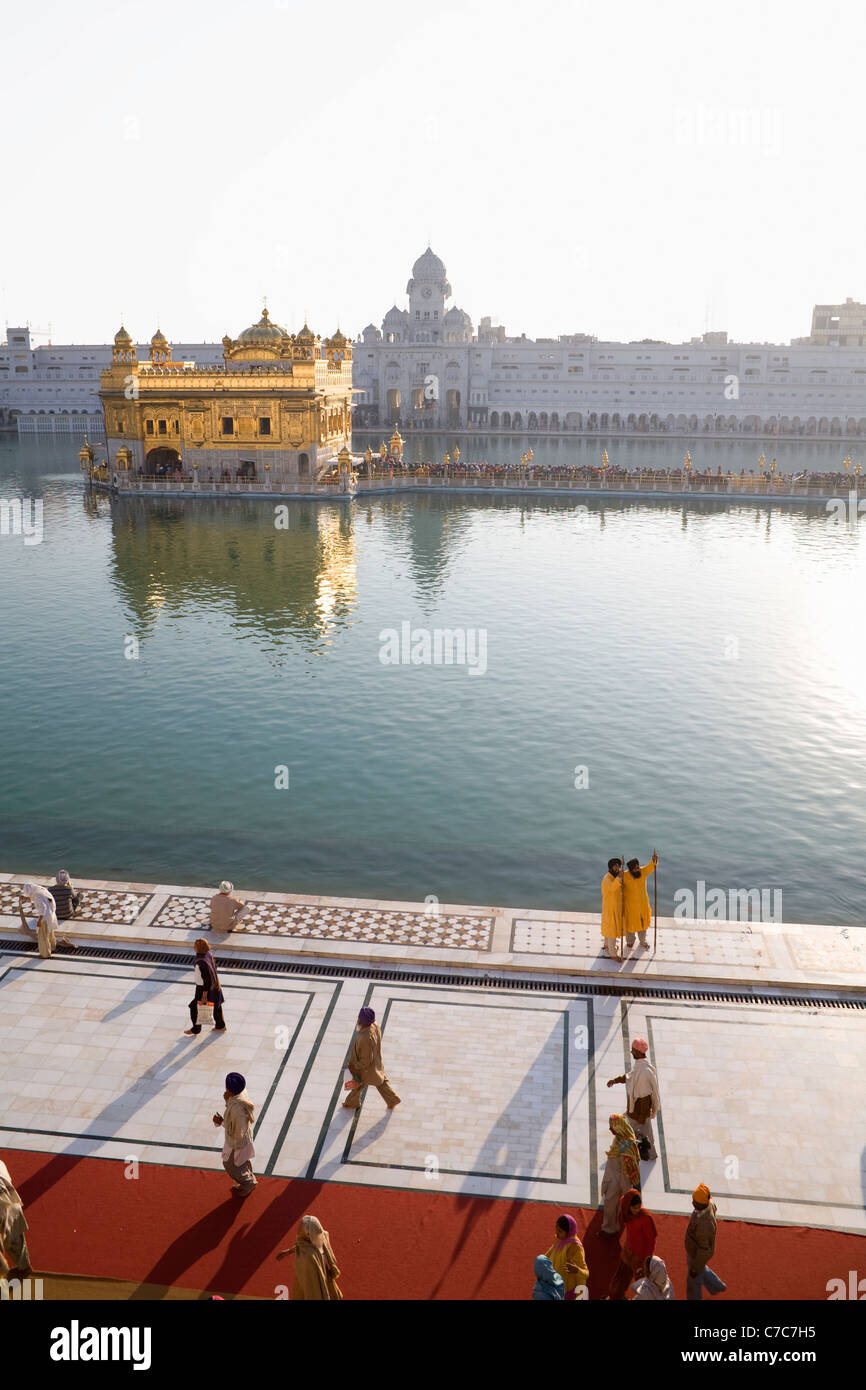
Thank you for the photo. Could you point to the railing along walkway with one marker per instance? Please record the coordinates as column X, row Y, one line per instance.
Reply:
column 781, row 487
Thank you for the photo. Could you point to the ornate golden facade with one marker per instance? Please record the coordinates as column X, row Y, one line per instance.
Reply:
column 280, row 404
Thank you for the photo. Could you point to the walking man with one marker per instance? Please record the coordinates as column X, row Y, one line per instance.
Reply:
column 365, row 1063
column 238, row 1151
column 611, row 908
column 13, row 1224
column 701, row 1245
column 642, row 1093
column 638, row 913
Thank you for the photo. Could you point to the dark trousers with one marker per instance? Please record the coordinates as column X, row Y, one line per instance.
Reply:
column 219, row 1021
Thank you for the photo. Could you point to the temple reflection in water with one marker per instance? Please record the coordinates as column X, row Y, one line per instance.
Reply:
column 295, row 583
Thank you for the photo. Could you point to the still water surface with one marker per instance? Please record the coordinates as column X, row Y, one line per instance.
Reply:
column 706, row 666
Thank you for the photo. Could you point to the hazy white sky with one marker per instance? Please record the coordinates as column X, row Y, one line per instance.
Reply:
column 628, row 170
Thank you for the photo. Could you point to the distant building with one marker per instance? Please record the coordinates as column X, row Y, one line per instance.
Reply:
column 425, row 368
column 839, row 325
column 54, row 389
column 277, row 404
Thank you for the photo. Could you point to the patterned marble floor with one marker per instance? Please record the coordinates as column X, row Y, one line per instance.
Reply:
column 97, row 904
column 343, row 923
column 503, row 1092
column 576, row 939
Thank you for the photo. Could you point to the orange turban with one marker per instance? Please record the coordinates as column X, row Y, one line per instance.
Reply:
column 701, row 1194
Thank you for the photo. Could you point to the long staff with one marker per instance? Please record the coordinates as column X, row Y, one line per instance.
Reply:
column 622, row 902
column 655, row 905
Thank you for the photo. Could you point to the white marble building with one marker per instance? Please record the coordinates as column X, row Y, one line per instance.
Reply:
column 52, row 388
column 426, row 368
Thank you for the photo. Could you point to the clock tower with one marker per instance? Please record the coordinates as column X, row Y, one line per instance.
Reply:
column 427, row 290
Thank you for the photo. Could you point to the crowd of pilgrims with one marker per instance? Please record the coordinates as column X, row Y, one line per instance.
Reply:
column 611, row 475
column 561, row 1273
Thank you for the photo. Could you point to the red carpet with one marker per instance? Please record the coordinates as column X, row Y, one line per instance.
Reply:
column 181, row 1227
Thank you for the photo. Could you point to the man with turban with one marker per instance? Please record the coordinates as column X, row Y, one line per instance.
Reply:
column 635, row 900
column 636, row 903
column 365, row 1063
column 238, row 1151
column 611, row 908
column 701, row 1246
column 226, row 911
column 642, row 1093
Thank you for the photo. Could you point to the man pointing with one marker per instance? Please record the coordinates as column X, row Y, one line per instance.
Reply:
column 636, row 903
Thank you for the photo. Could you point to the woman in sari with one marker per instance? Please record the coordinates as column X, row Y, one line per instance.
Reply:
column 316, row 1271
column 568, row 1259
column 621, row 1173
column 637, row 1245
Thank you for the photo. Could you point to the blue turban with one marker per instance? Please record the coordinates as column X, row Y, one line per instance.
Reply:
column 235, row 1083
column 366, row 1017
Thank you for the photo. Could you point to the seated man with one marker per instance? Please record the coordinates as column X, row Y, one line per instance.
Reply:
column 66, row 900
column 226, row 911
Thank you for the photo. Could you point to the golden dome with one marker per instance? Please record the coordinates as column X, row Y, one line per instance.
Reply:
column 306, row 335
column 159, row 339
column 262, row 333
column 122, row 338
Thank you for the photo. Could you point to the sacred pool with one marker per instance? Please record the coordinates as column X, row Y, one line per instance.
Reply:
column 190, row 693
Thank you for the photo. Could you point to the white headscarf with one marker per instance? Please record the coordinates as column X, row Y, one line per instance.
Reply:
column 313, row 1230
column 226, row 887
column 45, row 905
column 63, row 877
column 658, row 1276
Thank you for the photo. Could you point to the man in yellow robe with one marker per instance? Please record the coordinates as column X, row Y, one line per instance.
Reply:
column 365, row 1063
column 638, row 913
column 611, row 908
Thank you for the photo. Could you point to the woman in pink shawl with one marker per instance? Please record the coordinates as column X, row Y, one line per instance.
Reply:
column 568, row 1259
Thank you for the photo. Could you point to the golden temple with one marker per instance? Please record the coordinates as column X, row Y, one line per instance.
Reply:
column 279, row 405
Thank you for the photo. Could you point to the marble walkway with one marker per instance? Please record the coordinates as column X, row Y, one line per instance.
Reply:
column 504, row 1090
column 496, row 939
